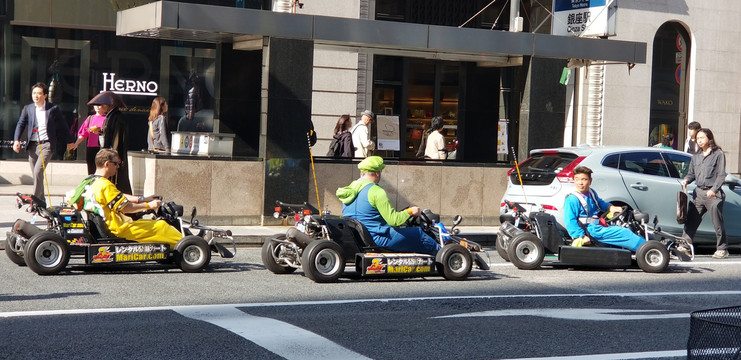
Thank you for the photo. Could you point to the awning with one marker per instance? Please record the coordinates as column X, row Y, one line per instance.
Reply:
column 218, row 24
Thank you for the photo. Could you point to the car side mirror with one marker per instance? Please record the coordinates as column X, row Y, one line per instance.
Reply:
column 193, row 216
column 457, row 220
column 656, row 220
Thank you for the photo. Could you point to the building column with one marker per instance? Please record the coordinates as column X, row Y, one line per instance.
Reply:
column 287, row 121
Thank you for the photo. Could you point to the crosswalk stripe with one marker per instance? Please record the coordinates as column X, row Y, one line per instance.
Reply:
column 281, row 338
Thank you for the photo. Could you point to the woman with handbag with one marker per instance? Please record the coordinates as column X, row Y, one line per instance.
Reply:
column 89, row 131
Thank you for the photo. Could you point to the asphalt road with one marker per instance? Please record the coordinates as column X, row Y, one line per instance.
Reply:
column 237, row 309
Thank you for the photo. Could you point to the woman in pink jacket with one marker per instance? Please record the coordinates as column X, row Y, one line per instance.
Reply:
column 89, row 131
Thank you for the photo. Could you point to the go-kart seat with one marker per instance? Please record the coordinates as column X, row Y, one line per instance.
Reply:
column 97, row 226
column 360, row 232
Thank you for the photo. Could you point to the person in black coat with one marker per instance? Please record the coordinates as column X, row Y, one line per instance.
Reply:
column 343, row 138
column 113, row 135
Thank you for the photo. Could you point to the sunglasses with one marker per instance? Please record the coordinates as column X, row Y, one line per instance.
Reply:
column 117, row 163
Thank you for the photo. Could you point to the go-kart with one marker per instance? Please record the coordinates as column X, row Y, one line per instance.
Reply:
column 322, row 244
column 82, row 234
column 527, row 239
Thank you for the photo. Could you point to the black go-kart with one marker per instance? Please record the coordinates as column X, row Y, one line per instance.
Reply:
column 70, row 233
column 527, row 240
column 323, row 244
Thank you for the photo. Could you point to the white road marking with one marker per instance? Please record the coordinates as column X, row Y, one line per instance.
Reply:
column 281, row 338
column 11, row 314
column 632, row 355
column 576, row 314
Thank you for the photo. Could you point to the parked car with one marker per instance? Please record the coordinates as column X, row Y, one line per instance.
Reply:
column 642, row 178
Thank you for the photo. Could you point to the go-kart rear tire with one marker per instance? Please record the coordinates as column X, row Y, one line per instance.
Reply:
column 652, row 257
column 192, row 253
column 454, row 262
column 12, row 255
column 323, row 261
column 24, row 229
column 46, row 253
column 502, row 247
column 526, row 251
column 268, row 249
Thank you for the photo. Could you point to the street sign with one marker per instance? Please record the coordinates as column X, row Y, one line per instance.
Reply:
column 584, row 18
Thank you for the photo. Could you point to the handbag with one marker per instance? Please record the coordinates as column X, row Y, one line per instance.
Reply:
column 682, row 206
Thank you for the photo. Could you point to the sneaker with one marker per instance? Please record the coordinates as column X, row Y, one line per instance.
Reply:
column 720, row 254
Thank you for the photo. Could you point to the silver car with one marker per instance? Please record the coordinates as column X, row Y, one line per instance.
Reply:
column 642, row 178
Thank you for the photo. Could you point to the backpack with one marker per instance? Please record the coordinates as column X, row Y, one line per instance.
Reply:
column 334, row 148
column 423, row 144
column 74, row 197
column 341, row 146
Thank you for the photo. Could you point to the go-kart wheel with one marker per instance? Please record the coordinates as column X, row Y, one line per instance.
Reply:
column 192, row 254
column 454, row 262
column 46, row 253
column 12, row 255
column 652, row 257
column 24, row 229
column 322, row 261
column 502, row 247
column 270, row 250
column 525, row 251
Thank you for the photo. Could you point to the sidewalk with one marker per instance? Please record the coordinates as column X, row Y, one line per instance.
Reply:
column 243, row 235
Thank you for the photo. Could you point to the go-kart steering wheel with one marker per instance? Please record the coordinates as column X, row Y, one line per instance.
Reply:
column 620, row 216
column 412, row 220
column 426, row 219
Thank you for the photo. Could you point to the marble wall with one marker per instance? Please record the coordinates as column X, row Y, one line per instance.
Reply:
column 473, row 192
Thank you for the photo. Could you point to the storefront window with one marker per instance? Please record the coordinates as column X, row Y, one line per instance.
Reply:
column 420, row 105
column 81, row 63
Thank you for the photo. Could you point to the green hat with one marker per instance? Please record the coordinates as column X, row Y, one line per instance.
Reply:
column 371, row 164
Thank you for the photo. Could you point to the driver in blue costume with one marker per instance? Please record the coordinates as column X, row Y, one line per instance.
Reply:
column 367, row 202
column 580, row 212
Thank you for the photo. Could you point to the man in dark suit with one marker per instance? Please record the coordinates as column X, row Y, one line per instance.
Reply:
column 45, row 127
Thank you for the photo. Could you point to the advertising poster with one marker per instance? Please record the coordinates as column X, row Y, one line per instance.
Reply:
column 388, row 132
column 502, row 137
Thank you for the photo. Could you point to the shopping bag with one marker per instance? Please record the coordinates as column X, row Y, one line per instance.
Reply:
column 681, row 206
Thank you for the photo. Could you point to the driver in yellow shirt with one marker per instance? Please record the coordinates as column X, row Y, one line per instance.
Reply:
column 103, row 198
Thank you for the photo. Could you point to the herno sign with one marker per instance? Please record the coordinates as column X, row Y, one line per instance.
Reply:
column 129, row 87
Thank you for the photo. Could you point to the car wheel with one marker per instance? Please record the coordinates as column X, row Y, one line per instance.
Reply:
column 322, row 261
column 192, row 254
column 525, row 251
column 652, row 257
column 502, row 247
column 46, row 253
column 454, row 262
column 269, row 255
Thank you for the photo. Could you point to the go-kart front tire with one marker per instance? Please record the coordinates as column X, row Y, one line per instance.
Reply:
column 526, row 251
column 323, row 261
column 652, row 257
column 268, row 257
column 454, row 262
column 46, row 253
column 192, row 254
column 502, row 247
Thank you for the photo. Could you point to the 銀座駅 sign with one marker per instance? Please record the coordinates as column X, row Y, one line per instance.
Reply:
column 584, row 18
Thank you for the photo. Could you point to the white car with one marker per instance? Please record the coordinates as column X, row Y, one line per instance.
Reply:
column 642, row 178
